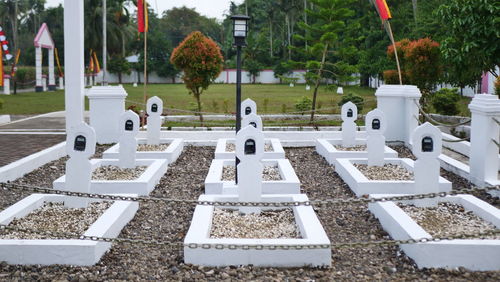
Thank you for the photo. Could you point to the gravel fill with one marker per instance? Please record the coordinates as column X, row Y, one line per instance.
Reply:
column 278, row 224
column 269, row 173
column 439, row 221
column 152, row 148
column 185, row 180
column 111, row 172
column 54, row 217
column 359, row 148
column 231, row 147
column 386, row 172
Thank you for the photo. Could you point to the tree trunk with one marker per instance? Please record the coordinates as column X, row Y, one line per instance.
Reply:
column 120, row 77
column 173, row 79
column 305, row 21
column 316, row 86
column 198, row 100
column 287, row 20
column 271, row 38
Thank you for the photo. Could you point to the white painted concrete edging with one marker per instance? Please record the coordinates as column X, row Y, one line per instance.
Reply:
column 361, row 185
column 68, row 252
column 277, row 153
column 4, row 119
column 141, row 186
column 25, row 165
column 481, row 255
column 310, row 228
column 326, row 148
column 170, row 154
column 290, row 183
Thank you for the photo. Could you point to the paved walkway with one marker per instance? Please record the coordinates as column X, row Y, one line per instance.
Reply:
column 17, row 146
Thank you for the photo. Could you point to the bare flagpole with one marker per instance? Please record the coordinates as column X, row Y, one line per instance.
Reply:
column 391, row 36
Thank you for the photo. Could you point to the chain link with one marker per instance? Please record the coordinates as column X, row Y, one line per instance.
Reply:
column 316, row 203
column 178, row 245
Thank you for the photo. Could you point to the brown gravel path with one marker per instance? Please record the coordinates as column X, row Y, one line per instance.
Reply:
column 185, row 179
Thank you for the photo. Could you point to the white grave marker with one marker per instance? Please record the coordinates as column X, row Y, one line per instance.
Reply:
column 154, row 110
column 376, row 125
column 340, row 90
column 427, row 145
column 248, row 107
column 6, row 84
column 80, row 146
column 250, row 150
column 253, row 120
column 129, row 127
column 349, row 115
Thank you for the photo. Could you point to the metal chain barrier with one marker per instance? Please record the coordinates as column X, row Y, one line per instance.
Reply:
column 496, row 121
column 315, row 203
column 444, row 139
column 178, row 245
column 428, row 117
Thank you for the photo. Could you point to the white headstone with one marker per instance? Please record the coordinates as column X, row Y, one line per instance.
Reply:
column 135, row 84
column 427, row 145
column 292, row 85
column 154, row 110
column 129, row 126
column 61, row 83
column 6, row 85
column 349, row 114
column 484, row 132
column 250, row 150
column 80, row 146
column 340, row 90
column 248, row 107
column 253, row 120
column 376, row 125
column 308, row 87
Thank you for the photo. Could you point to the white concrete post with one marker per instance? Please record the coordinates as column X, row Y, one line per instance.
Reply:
column 398, row 104
column 38, row 69
column 248, row 107
column 74, row 62
column 349, row 114
column 52, row 78
column 427, row 145
column 253, row 120
column 376, row 125
column 61, row 82
column 484, row 132
column 129, row 127
column 250, row 150
column 340, row 90
column 154, row 111
column 106, row 104
column 80, row 146
column 44, row 82
column 6, row 84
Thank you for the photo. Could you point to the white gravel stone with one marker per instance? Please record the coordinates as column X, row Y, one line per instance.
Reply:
column 278, row 224
column 230, row 147
column 54, row 217
column 448, row 219
column 111, row 172
column 152, row 148
column 359, row 148
column 386, row 172
column 270, row 173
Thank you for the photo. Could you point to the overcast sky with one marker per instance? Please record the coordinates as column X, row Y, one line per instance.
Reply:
column 210, row 8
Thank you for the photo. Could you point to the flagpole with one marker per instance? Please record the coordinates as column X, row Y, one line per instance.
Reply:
column 145, row 64
column 391, row 36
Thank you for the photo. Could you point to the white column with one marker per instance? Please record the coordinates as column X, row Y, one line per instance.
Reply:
column 154, row 110
column 74, row 62
column 52, row 78
column 484, row 131
column 376, row 125
column 61, row 82
column 38, row 69
column 106, row 105
column 397, row 103
column 6, row 85
column 427, row 146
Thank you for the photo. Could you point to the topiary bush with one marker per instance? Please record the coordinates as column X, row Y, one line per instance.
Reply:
column 445, row 101
column 357, row 100
column 304, row 104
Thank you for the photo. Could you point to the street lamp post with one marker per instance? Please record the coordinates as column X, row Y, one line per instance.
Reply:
column 240, row 30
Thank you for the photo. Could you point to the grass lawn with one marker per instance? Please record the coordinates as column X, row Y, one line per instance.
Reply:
column 219, row 98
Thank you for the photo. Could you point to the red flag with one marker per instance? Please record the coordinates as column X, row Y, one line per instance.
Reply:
column 142, row 15
column 383, row 9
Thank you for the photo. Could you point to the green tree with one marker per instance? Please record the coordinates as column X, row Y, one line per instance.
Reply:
column 473, row 38
column 323, row 35
column 201, row 61
column 119, row 65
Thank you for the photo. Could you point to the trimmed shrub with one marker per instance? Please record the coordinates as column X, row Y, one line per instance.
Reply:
column 445, row 101
column 357, row 100
column 304, row 104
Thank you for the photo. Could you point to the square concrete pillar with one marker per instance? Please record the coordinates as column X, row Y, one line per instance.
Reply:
column 398, row 102
column 484, row 132
column 106, row 105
